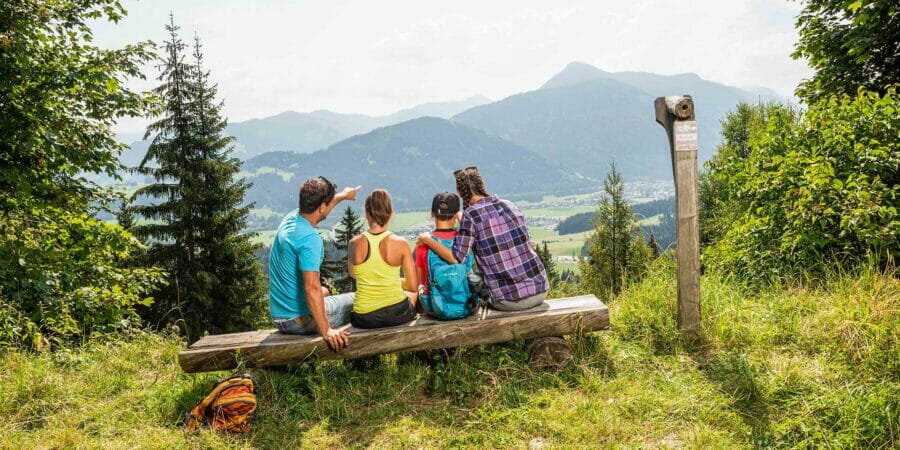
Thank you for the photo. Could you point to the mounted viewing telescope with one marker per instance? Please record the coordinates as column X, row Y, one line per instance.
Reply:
column 676, row 115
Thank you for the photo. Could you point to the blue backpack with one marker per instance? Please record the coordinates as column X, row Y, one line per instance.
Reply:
column 451, row 297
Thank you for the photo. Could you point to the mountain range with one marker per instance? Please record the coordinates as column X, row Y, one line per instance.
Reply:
column 307, row 132
column 585, row 118
column 413, row 160
column 558, row 138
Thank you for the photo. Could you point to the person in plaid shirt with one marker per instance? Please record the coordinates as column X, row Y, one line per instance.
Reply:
column 494, row 229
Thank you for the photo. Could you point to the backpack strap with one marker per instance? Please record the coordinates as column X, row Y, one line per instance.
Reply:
column 446, row 243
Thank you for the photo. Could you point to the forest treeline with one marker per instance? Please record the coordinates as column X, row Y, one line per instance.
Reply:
column 660, row 235
column 791, row 193
column 585, row 221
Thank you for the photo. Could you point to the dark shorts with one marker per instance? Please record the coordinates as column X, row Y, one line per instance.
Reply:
column 389, row 316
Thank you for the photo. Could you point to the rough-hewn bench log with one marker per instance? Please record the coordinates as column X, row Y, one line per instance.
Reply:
column 270, row 348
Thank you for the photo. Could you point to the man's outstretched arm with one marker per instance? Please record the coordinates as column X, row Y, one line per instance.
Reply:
column 347, row 194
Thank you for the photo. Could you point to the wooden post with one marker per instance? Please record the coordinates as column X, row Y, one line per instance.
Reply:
column 676, row 115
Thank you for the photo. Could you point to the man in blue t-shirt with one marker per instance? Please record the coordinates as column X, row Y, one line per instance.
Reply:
column 297, row 300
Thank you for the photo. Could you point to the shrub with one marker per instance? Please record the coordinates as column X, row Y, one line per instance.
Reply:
column 814, row 191
column 61, row 277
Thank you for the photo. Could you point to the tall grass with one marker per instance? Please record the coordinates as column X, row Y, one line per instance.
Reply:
column 803, row 366
column 777, row 367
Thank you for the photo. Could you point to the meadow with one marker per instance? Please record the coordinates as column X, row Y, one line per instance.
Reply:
column 776, row 367
column 567, row 245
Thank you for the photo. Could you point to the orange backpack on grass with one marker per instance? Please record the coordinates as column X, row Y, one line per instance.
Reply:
column 230, row 406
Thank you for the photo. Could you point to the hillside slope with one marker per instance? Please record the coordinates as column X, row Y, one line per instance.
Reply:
column 585, row 117
column 292, row 131
column 779, row 368
column 413, row 161
column 584, row 126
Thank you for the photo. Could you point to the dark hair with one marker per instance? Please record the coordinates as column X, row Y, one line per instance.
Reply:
column 378, row 207
column 314, row 193
column 444, row 216
column 469, row 184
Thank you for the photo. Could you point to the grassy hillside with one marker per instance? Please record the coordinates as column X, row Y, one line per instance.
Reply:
column 778, row 367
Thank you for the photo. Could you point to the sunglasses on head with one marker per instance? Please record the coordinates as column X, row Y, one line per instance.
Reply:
column 457, row 172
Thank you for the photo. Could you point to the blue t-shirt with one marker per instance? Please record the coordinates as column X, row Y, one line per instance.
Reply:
column 297, row 248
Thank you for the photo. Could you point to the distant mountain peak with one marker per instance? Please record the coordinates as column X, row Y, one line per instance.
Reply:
column 578, row 65
column 477, row 98
column 763, row 91
column 575, row 72
column 687, row 76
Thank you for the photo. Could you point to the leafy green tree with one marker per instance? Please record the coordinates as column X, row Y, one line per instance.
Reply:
column 719, row 202
column 59, row 96
column 850, row 44
column 617, row 251
column 195, row 220
column 815, row 191
column 350, row 226
column 61, row 271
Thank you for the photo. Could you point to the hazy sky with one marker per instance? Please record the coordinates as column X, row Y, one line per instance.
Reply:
column 376, row 57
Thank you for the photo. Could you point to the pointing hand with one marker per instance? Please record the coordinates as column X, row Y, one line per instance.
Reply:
column 350, row 193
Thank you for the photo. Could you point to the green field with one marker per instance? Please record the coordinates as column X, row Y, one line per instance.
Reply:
column 558, row 211
column 554, row 198
column 265, row 212
column 558, row 245
column 653, row 220
column 264, row 237
column 286, row 176
column 410, row 219
column 568, row 245
column 562, row 266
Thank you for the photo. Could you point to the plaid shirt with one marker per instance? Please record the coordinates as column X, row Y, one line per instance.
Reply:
column 495, row 230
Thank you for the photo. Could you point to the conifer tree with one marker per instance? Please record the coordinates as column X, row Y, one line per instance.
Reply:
column 654, row 246
column 331, row 268
column 616, row 251
column 196, row 214
column 350, row 226
column 543, row 252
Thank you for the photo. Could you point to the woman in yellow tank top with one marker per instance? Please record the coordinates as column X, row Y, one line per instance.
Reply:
column 374, row 259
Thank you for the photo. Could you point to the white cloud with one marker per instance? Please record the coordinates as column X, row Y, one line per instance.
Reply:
column 378, row 57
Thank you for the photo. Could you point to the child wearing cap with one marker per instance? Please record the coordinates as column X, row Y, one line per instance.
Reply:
column 444, row 210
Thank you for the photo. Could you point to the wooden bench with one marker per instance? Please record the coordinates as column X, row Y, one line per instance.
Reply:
column 270, row 348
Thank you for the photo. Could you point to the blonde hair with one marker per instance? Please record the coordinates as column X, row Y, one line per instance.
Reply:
column 378, row 207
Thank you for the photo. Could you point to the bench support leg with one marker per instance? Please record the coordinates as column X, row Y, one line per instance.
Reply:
column 550, row 353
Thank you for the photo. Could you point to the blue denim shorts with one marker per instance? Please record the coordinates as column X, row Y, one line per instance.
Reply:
column 337, row 311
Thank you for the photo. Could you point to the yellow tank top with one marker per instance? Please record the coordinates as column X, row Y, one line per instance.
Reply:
column 377, row 282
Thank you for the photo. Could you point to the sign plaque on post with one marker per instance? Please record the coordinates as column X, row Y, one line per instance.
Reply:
column 685, row 135
column 676, row 115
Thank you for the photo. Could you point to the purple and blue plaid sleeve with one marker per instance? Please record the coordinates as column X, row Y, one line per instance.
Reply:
column 497, row 233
